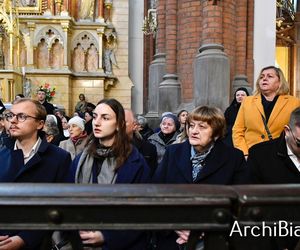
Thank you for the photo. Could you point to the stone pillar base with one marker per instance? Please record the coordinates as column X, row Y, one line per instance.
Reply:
column 212, row 77
column 238, row 82
column 157, row 70
column 169, row 93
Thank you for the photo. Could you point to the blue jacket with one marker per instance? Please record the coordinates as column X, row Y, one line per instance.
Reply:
column 134, row 170
column 50, row 164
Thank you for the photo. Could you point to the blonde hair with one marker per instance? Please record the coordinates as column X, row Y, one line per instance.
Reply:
column 283, row 87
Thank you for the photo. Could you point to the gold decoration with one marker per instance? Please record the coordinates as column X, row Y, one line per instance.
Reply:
column 150, row 23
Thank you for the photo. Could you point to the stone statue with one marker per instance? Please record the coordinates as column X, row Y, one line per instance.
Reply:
column 56, row 55
column 27, row 88
column 42, row 55
column 92, row 59
column 86, row 9
column 78, row 59
column 109, row 57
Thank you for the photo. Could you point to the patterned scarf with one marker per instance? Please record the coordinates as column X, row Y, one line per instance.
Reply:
column 197, row 162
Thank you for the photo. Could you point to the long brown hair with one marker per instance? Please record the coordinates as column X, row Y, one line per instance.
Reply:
column 121, row 147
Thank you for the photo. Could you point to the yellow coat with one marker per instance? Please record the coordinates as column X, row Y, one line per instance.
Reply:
column 249, row 128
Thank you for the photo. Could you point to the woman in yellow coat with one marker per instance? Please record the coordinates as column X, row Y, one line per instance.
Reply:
column 271, row 102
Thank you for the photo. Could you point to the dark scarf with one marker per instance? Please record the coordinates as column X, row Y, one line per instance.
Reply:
column 166, row 137
column 268, row 106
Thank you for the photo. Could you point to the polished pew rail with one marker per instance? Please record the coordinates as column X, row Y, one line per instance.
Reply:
column 201, row 208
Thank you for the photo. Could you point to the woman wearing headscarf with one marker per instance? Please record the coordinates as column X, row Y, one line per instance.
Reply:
column 78, row 137
column 232, row 111
column 262, row 116
column 110, row 158
column 169, row 126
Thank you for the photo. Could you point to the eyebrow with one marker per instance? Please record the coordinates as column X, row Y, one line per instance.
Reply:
column 101, row 114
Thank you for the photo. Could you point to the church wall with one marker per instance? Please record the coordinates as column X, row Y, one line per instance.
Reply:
column 10, row 85
column 61, row 83
column 227, row 22
column 122, row 89
column 92, row 89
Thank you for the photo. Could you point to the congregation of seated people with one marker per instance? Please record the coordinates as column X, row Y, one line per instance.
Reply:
column 256, row 141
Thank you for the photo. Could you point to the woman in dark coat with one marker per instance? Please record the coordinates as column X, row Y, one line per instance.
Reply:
column 232, row 111
column 109, row 158
column 202, row 159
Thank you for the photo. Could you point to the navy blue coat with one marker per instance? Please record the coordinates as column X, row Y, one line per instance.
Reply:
column 134, row 170
column 224, row 166
column 50, row 164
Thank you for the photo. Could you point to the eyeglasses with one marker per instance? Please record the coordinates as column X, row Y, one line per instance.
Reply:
column 21, row 117
column 296, row 139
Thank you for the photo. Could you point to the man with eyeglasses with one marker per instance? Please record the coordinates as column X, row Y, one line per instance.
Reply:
column 27, row 157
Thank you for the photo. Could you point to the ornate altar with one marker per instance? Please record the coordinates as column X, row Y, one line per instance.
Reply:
column 69, row 44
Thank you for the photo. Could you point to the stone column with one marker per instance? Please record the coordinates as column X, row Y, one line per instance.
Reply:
column 169, row 89
column 157, row 68
column 11, row 51
column 100, row 33
column 65, row 27
column 100, row 11
column 30, row 50
column 58, row 4
column 211, row 77
column 136, row 55
column 264, row 35
column 211, row 67
column 240, row 81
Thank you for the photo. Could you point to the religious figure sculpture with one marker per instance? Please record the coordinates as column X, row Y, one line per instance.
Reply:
column 109, row 56
column 78, row 59
column 56, row 55
column 86, row 9
column 92, row 59
column 27, row 88
column 42, row 55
